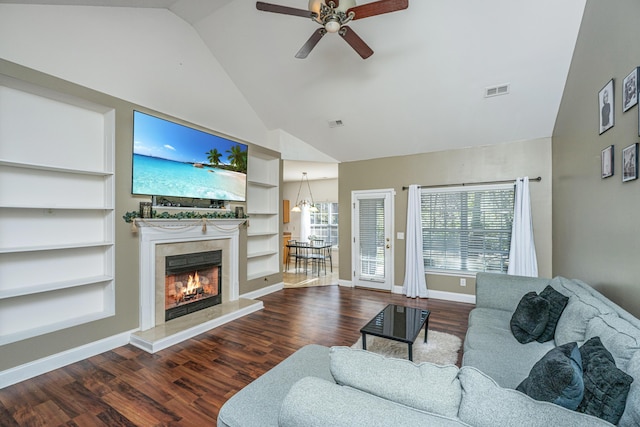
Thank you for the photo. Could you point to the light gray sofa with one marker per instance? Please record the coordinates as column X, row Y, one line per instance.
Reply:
column 339, row 386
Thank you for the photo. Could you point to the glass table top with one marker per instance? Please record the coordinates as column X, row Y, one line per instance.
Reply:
column 397, row 322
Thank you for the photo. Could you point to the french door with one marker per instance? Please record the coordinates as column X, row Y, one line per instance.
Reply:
column 372, row 231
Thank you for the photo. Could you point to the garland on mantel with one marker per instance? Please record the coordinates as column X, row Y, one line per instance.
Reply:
column 130, row 216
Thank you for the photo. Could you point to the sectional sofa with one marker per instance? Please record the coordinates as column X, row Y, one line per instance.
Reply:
column 584, row 356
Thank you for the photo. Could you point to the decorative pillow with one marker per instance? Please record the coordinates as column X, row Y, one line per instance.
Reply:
column 530, row 318
column 424, row 386
column 557, row 303
column 557, row 377
column 605, row 386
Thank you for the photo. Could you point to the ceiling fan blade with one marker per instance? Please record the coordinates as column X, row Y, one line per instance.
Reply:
column 275, row 8
column 355, row 42
column 311, row 43
column 378, row 8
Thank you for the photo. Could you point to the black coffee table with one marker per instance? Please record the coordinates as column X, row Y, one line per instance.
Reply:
column 398, row 323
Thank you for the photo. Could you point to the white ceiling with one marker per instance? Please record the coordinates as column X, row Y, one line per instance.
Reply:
column 421, row 91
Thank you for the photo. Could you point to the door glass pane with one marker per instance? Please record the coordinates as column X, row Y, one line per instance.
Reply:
column 371, row 237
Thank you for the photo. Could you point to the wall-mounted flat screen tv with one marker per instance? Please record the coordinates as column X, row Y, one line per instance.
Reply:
column 174, row 160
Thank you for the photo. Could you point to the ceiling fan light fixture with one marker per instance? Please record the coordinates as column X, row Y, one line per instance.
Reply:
column 332, row 26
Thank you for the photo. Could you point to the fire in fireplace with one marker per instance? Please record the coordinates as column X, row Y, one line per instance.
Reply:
column 193, row 282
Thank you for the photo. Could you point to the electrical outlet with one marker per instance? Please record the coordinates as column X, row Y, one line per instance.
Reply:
column 463, row 281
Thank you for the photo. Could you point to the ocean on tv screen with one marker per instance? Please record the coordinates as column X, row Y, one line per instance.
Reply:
column 161, row 177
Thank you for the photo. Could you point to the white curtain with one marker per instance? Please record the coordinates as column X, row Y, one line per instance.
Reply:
column 415, row 284
column 522, row 255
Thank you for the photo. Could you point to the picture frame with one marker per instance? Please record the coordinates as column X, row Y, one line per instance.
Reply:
column 606, row 162
column 239, row 212
column 630, row 163
column 606, row 108
column 630, row 90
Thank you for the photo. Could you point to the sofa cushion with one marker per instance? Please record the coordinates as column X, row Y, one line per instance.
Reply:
column 631, row 415
column 606, row 386
column 557, row 303
column 530, row 318
column 557, row 377
column 617, row 335
column 424, row 386
column 497, row 353
column 313, row 402
column 486, row 404
column 580, row 309
column 490, row 318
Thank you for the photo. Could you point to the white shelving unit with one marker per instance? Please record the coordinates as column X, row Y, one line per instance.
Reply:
column 56, row 211
column 263, row 234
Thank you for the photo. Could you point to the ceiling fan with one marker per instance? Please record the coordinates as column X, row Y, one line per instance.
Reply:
column 333, row 15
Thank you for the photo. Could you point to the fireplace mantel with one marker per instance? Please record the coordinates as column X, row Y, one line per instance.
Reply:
column 154, row 333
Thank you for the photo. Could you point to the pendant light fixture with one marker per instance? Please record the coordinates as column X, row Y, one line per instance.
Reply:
column 304, row 202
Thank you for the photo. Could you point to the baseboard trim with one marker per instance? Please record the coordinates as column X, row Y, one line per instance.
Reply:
column 41, row 366
column 443, row 295
column 345, row 283
column 263, row 291
column 452, row 296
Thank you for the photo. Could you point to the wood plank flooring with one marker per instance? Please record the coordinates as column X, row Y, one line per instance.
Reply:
column 185, row 385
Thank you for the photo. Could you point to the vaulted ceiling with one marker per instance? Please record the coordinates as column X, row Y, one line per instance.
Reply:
column 422, row 90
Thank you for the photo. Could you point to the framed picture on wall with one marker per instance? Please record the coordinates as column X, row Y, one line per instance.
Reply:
column 630, row 163
column 605, row 104
column 607, row 162
column 630, row 90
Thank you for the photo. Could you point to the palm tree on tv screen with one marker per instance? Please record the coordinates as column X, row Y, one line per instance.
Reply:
column 214, row 156
column 238, row 158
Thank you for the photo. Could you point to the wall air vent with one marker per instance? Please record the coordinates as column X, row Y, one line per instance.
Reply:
column 496, row 90
column 335, row 123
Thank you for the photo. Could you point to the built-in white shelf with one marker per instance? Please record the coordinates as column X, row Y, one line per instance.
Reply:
column 57, row 216
column 261, row 254
column 53, row 286
column 44, row 167
column 18, row 249
column 263, row 208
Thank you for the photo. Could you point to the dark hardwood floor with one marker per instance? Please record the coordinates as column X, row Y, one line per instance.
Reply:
column 186, row 384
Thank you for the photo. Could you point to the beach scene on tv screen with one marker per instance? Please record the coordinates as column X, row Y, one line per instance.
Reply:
column 170, row 159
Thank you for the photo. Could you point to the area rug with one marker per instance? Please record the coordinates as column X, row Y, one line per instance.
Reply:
column 441, row 348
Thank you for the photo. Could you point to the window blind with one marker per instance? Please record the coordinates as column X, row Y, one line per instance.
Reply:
column 371, row 237
column 467, row 229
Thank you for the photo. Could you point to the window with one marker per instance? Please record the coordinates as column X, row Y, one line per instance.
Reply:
column 324, row 223
column 467, row 229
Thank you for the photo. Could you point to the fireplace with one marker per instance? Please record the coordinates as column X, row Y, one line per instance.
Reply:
column 161, row 239
column 193, row 282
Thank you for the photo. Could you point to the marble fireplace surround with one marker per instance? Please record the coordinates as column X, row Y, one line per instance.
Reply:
column 159, row 238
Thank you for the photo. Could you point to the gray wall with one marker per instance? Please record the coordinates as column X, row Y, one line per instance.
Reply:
column 596, row 230
column 496, row 162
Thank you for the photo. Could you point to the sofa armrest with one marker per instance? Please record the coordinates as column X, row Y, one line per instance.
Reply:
column 259, row 402
column 314, row 402
column 503, row 291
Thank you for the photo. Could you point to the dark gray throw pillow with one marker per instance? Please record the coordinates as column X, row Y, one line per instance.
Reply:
column 530, row 319
column 557, row 303
column 605, row 386
column 557, row 377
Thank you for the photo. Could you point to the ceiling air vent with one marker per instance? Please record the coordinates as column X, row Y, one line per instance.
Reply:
column 496, row 90
column 335, row 123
